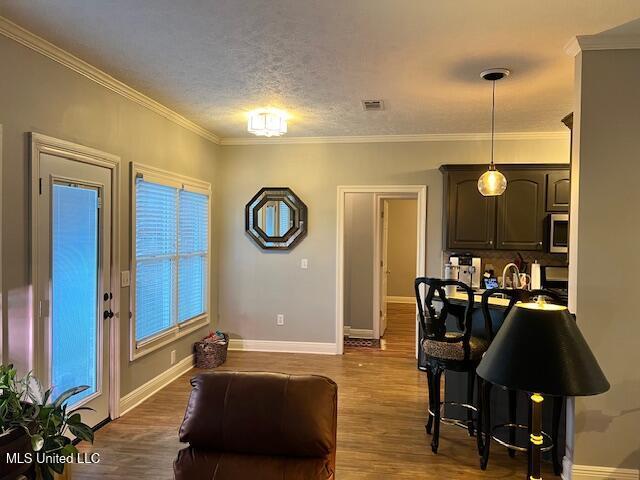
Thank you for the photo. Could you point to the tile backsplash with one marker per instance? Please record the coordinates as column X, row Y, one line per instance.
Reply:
column 500, row 258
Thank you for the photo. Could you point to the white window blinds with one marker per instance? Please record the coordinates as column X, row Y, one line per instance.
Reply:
column 171, row 238
column 192, row 254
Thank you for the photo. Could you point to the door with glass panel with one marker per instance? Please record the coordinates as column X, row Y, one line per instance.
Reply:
column 73, row 291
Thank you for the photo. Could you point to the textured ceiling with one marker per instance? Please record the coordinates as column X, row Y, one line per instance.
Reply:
column 215, row 60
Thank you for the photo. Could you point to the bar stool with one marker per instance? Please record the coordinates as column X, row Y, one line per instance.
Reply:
column 484, row 389
column 448, row 350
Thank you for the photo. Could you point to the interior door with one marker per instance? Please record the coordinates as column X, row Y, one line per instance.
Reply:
column 384, row 266
column 73, row 275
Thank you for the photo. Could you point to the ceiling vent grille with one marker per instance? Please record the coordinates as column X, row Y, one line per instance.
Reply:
column 372, row 105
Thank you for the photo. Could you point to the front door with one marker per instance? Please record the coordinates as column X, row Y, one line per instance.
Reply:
column 73, row 275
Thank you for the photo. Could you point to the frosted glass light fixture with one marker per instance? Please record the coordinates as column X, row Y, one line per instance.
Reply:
column 493, row 183
column 267, row 122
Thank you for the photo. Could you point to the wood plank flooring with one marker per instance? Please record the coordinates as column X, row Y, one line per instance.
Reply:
column 382, row 404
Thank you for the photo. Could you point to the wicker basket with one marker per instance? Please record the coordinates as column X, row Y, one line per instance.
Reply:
column 211, row 355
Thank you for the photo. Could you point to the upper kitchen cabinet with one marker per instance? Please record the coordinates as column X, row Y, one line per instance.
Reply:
column 558, row 191
column 521, row 211
column 469, row 217
column 514, row 220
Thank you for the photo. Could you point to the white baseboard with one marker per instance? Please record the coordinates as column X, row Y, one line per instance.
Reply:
column 143, row 392
column 566, row 468
column 282, row 347
column 592, row 472
column 360, row 333
column 396, row 299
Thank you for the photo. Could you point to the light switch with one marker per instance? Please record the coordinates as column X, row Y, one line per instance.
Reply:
column 304, row 263
column 125, row 279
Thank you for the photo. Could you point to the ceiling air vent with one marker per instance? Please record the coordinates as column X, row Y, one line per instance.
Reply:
column 372, row 105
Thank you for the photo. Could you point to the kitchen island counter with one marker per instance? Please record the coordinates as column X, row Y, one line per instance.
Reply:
column 460, row 298
column 455, row 383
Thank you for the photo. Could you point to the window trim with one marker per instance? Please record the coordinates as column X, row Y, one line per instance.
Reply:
column 156, row 175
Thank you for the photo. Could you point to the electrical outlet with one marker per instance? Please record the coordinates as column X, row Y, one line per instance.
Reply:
column 173, row 357
column 280, row 319
column 125, row 278
column 304, row 263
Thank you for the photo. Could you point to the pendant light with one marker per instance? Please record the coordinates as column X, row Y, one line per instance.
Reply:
column 493, row 183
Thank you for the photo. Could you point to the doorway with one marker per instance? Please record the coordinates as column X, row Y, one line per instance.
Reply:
column 373, row 282
column 73, row 277
column 396, row 258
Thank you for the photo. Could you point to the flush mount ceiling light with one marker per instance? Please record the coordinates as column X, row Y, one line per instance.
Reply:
column 493, row 183
column 267, row 122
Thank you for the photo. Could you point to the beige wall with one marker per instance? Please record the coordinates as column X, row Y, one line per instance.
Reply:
column 37, row 94
column 401, row 247
column 358, row 260
column 256, row 285
column 603, row 284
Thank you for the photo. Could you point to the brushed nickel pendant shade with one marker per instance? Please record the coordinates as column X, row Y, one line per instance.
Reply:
column 492, row 182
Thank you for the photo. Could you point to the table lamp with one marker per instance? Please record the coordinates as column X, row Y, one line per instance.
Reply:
column 540, row 350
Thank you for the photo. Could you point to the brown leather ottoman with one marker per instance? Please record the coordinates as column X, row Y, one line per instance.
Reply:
column 253, row 425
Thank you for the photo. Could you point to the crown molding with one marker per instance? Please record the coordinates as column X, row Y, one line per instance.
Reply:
column 601, row 42
column 42, row 46
column 428, row 137
column 49, row 50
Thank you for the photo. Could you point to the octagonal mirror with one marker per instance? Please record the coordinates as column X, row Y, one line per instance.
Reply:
column 276, row 218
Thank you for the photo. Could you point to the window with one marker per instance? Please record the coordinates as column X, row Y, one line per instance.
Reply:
column 171, row 267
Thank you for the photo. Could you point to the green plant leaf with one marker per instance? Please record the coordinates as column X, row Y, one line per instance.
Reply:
column 46, row 397
column 68, row 450
column 57, row 467
column 82, row 431
column 37, row 442
column 81, row 409
column 74, row 419
column 45, row 472
column 67, row 394
column 56, row 419
column 44, row 413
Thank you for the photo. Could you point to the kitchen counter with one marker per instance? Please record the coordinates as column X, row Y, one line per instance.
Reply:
column 460, row 298
column 455, row 383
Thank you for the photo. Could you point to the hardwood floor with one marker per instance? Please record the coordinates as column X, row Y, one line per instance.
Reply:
column 382, row 403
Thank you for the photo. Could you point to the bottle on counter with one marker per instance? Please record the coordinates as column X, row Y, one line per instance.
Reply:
column 536, row 278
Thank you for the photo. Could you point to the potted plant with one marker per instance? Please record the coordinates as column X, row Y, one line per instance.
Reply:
column 30, row 423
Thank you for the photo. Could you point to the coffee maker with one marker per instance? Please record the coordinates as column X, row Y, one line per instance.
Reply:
column 469, row 269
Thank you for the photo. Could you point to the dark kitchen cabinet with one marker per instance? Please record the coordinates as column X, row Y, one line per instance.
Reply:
column 558, row 191
column 471, row 222
column 521, row 211
column 514, row 220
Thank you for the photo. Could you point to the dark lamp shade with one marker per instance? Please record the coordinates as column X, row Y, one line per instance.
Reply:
column 539, row 348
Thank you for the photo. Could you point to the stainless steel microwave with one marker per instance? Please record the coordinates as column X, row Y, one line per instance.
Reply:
column 558, row 232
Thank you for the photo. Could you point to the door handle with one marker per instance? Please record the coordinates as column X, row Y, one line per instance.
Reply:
column 107, row 314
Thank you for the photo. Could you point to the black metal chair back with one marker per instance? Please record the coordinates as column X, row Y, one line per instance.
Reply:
column 433, row 322
column 514, row 295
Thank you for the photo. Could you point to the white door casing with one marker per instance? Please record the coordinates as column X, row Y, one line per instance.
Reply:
column 384, row 265
column 418, row 192
column 58, row 168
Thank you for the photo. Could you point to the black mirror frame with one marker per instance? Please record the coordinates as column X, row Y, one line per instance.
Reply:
column 293, row 236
